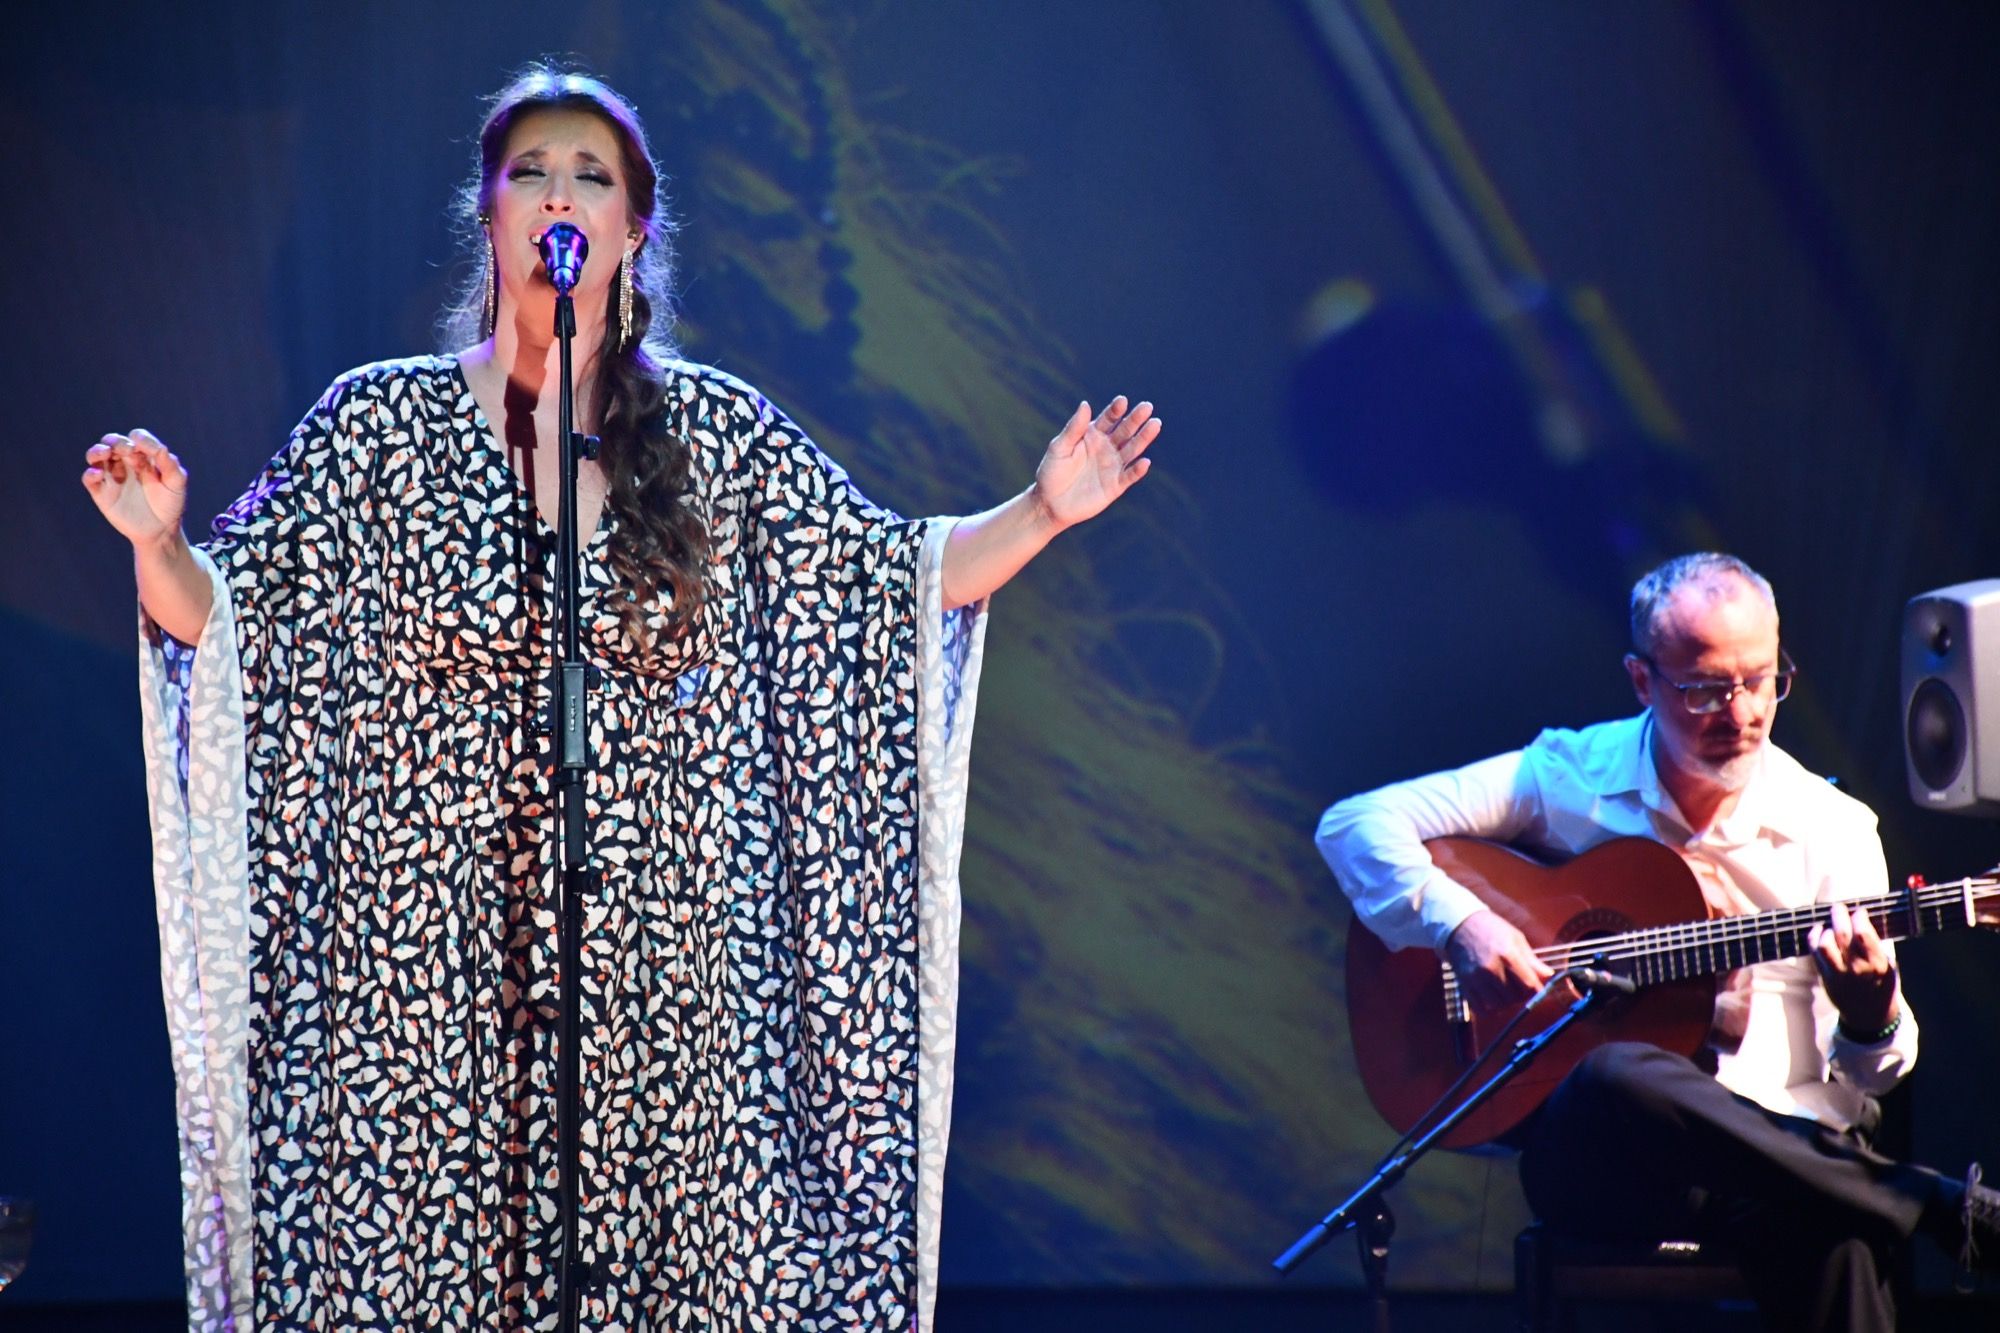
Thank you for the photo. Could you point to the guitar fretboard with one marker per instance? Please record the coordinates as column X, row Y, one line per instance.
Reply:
column 1656, row 954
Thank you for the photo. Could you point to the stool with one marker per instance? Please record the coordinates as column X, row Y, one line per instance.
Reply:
column 1552, row 1269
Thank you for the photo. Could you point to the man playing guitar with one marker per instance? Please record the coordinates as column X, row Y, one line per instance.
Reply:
column 1760, row 1142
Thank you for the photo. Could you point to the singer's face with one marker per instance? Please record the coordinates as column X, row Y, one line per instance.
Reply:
column 559, row 165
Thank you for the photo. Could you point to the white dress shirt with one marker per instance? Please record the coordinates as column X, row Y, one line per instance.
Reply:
column 1791, row 840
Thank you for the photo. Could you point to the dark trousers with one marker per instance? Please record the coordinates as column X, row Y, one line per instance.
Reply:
column 1642, row 1143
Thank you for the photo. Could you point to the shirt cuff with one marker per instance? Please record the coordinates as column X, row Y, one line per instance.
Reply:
column 1875, row 1067
column 1444, row 906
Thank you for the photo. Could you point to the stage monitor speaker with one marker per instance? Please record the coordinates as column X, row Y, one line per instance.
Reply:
column 1951, row 698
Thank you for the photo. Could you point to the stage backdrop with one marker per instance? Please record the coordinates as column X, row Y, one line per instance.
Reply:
column 1458, row 316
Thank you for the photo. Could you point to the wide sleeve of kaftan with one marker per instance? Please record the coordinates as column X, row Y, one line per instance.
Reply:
column 236, row 728
column 873, row 687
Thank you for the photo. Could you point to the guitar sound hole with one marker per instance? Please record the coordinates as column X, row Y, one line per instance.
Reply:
column 1597, row 923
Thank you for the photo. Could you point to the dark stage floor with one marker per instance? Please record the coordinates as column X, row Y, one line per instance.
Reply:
column 975, row 1310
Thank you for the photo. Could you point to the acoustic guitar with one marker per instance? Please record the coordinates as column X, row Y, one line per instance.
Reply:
column 1629, row 906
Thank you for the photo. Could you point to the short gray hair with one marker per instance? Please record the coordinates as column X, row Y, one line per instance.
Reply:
column 1651, row 594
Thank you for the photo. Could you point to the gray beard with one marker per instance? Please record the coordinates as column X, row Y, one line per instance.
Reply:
column 1731, row 775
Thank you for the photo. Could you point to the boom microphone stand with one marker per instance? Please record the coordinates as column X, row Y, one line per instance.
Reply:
column 1366, row 1211
column 563, row 249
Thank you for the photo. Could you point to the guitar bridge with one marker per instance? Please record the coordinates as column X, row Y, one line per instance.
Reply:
column 1458, row 1018
column 1456, row 1008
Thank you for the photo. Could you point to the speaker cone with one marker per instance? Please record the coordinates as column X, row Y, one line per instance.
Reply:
column 1936, row 734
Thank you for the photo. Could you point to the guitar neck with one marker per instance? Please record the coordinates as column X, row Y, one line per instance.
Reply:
column 1720, row 944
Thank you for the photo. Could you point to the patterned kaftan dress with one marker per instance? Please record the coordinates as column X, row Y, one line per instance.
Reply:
column 353, row 859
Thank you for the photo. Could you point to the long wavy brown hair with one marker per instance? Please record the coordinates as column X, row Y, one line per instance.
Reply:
column 661, row 542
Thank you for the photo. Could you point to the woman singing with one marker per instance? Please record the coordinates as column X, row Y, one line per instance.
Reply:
column 353, row 826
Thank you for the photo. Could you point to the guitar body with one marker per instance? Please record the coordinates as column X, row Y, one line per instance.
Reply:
column 1410, row 1050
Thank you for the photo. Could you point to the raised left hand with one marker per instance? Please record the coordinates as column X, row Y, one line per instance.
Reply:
column 1856, row 967
column 1092, row 462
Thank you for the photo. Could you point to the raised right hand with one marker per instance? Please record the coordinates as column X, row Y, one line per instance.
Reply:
column 139, row 486
column 1494, row 961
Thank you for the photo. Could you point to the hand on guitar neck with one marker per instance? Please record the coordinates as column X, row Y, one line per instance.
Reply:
column 1494, row 961
column 1856, row 969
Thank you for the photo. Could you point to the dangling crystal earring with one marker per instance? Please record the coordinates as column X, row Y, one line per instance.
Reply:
column 625, row 302
column 490, row 310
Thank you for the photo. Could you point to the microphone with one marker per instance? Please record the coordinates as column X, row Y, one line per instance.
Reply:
column 563, row 249
column 1592, row 978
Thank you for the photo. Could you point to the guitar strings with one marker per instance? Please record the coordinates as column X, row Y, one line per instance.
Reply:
column 1662, row 943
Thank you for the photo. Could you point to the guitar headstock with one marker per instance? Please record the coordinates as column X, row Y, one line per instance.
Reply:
column 1981, row 896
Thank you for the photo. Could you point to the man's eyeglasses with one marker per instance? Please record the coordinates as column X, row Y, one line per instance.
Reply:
column 1712, row 696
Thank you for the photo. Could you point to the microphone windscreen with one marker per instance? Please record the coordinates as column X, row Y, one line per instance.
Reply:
column 564, row 248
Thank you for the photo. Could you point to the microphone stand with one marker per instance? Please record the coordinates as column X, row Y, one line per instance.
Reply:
column 570, row 725
column 1366, row 1211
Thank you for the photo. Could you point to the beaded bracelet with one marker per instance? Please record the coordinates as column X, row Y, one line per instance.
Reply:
column 1871, row 1038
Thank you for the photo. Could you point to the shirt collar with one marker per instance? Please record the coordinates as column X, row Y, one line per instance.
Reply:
column 1758, row 808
